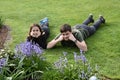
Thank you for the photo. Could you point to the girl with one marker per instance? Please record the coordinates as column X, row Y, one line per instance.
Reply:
column 39, row 34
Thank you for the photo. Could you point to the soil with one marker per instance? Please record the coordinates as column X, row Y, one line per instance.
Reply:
column 4, row 35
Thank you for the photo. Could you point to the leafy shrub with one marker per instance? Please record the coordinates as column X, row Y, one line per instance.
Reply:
column 79, row 70
column 27, row 63
column 23, row 66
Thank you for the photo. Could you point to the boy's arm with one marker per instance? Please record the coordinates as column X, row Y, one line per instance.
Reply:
column 80, row 44
column 54, row 41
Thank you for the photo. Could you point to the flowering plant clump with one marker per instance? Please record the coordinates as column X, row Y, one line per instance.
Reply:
column 28, row 63
column 28, row 48
column 2, row 62
column 25, row 63
column 79, row 70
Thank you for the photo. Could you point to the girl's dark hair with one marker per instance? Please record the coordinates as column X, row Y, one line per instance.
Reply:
column 33, row 25
column 65, row 28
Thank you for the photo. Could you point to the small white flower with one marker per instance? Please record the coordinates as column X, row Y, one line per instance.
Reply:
column 93, row 78
column 2, row 50
column 9, row 78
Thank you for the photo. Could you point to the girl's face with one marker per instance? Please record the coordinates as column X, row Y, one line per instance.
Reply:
column 35, row 32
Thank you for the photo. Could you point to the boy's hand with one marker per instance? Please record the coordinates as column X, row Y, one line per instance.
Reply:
column 60, row 38
column 71, row 37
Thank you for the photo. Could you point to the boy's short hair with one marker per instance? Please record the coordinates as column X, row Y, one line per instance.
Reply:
column 65, row 28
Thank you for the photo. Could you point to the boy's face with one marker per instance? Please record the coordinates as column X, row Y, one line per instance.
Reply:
column 35, row 32
column 66, row 35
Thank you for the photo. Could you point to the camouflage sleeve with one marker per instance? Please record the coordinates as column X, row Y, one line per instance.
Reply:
column 78, row 35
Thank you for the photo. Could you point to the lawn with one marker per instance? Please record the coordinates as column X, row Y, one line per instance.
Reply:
column 103, row 46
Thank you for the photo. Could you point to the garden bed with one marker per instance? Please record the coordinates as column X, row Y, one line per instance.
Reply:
column 4, row 34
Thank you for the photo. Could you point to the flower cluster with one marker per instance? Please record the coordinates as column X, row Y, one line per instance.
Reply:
column 4, row 57
column 25, row 63
column 28, row 48
column 79, row 57
column 62, row 62
column 80, row 70
column 2, row 62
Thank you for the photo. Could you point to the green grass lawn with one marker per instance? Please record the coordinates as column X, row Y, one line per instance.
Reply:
column 103, row 46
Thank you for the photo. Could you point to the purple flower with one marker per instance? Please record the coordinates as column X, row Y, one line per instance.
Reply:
column 83, row 58
column 81, row 51
column 89, row 68
column 36, row 49
column 2, row 62
column 64, row 53
column 65, row 62
column 61, row 63
column 96, row 67
column 82, row 74
column 77, row 57
column 28, row 48
column 57, row 65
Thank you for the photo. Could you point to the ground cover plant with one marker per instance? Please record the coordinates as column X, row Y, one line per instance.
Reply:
column 103, row 46
column 27, row 63
column 80, row 69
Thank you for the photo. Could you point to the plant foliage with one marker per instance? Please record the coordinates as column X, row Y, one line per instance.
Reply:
column 1, row 22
